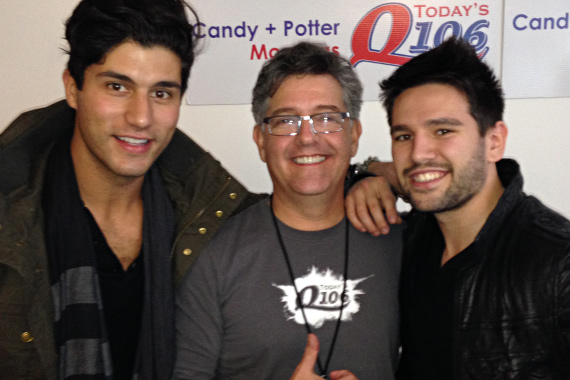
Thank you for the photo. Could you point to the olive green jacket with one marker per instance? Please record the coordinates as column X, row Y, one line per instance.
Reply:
column 202, row 192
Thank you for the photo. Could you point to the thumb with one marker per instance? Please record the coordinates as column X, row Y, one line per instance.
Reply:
column 307, row 364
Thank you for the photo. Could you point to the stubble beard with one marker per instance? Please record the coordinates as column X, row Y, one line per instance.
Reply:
column 465, row 185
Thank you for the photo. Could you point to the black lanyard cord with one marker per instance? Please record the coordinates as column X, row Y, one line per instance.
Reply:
column 322, row 370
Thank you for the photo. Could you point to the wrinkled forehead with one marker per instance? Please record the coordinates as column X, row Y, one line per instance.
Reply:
column 307, row 93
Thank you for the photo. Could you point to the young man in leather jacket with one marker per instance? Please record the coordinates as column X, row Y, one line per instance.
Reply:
column 485, row 287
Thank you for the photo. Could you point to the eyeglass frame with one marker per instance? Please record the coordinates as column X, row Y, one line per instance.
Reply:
column 344, row 115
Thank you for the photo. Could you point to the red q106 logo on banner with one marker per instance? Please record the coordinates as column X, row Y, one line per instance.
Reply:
column 406, row 39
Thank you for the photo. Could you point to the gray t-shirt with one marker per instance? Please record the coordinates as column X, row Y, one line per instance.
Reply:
column 236, row 315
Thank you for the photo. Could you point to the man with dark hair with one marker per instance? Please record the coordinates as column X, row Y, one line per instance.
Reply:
column 100, row 196
column 293, row 265
column 485, row 289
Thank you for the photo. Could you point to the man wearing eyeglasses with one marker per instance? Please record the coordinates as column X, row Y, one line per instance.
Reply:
column 292, row 264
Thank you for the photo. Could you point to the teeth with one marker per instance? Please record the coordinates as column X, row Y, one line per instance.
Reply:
column 309, row 159
column 133, row 141
column 426, row 177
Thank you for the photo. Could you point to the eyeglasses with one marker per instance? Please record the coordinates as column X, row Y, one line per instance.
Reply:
column 289, row 125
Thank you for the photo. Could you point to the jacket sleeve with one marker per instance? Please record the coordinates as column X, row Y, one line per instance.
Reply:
column 198, row 322
column 564, row 304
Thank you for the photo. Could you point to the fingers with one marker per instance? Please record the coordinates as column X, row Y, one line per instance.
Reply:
column 305, row 369
column 387, row 200
column 369, row 209
column 342, row 375
column 350, row 204
column 366, row 203
column 363, row 204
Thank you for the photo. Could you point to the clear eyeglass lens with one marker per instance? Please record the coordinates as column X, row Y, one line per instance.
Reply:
column 283, row 125
column 323, row 123
column 328, row 122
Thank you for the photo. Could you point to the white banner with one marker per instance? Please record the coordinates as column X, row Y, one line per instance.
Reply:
column 377, row 37
column 536, row 51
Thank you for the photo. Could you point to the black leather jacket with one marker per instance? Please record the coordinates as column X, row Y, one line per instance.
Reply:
column 512, row 300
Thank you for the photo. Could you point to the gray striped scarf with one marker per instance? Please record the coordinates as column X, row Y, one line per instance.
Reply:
column 81, row 338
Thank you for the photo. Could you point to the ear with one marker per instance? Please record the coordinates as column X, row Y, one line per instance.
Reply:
column 496, row 138
column 355, row 133
column 70, row 89
column 259, row 139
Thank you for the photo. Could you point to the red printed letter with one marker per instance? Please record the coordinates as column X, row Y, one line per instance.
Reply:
column 362, row 36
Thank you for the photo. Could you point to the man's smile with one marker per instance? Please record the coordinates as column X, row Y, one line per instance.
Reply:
column 304, row 160
column 133, row 141
column 427, row 176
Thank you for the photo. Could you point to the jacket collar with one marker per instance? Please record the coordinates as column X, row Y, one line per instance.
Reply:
column 511, row 178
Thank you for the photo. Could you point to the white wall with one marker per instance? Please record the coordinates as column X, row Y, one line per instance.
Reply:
column 31, row 35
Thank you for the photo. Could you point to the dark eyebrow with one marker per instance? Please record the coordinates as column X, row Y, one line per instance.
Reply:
column 125, row 78
column 441, row 121
column 444, row 121
column 113, row 74
column 397, row 128
column 168, row 84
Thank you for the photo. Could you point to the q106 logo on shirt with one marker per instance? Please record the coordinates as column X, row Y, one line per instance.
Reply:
column 428, row 31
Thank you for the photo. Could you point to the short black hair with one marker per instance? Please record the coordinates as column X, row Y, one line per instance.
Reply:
column 454, row 63
column 306, row 58
column 97, row 26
